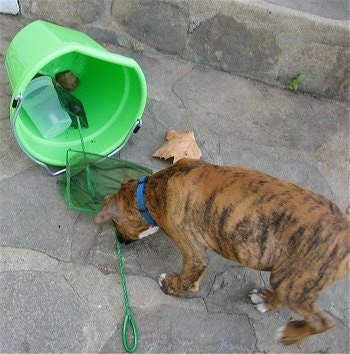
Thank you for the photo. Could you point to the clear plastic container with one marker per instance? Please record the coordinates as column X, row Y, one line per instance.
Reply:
column 43, row 107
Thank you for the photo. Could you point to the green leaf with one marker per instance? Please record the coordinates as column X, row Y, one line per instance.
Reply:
column 295, row 83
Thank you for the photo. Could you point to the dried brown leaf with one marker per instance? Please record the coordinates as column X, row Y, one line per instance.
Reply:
column 179, row 144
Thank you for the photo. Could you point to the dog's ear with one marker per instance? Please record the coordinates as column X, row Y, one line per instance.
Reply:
column 125, row 181
column 109, row 211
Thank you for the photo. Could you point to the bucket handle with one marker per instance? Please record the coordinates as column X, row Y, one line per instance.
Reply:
column 17, row 103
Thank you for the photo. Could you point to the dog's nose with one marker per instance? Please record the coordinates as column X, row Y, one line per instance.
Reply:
column 127, row 242
column 122, row 239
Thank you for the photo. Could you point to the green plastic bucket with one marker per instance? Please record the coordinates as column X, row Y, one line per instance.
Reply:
column 112, row 89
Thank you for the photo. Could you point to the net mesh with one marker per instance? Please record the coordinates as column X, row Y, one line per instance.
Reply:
column 90, row 177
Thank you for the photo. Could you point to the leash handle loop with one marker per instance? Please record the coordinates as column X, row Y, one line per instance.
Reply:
column 129, row 322
column 128, row 319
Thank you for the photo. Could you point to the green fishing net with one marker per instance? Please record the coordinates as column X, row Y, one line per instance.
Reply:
column 90, row 177
column 87, row 180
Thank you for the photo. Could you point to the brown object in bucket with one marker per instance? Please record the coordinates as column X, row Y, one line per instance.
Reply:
column 67, row 80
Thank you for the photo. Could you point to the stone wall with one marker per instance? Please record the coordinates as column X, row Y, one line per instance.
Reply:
column 251, row 38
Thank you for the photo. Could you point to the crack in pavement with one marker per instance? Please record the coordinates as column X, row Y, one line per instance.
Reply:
column 86, row 303
column 173, row 88
column 50, row 272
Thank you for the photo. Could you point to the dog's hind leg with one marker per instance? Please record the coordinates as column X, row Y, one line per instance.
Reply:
column 315, row 321
column 300, row 294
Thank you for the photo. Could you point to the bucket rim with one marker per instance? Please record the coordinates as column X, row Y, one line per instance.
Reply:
column 104, row 55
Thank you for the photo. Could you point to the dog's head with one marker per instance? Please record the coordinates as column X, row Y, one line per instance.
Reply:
column 122, row 209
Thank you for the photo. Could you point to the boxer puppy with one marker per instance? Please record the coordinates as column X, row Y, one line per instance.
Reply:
column 262, row 222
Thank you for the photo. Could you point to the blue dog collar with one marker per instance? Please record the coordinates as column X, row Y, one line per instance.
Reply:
column 141, row 201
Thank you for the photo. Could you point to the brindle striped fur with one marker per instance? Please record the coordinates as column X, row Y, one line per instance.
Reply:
column 246, row 216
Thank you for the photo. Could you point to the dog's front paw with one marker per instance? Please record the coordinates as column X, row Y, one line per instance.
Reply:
column 161, row 279
column 258, row 299
column 169, row 283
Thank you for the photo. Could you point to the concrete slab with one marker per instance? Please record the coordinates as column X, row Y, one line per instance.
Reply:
column 271, row 41
column 335, row 9
column 9, row 7
column 60, row 289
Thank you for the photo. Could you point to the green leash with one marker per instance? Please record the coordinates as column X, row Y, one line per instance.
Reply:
column 128, row 319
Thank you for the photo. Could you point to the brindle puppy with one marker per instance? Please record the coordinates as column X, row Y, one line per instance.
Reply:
column 248, row 217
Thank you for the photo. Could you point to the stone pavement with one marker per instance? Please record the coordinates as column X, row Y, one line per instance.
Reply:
column 271, row 41
column 60, row 288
